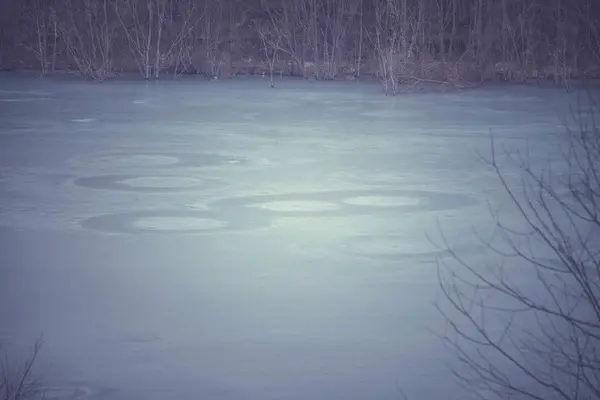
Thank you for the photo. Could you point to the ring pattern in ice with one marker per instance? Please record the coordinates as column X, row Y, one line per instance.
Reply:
column 149, row 184
column 254, row 212
column 116, row 161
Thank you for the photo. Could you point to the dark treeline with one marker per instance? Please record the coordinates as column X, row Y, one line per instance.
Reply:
column 457, row 42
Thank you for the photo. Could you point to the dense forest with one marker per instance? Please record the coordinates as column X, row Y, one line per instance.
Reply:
column 453, row 42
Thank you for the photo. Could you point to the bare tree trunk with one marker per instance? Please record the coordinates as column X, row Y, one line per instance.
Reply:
column 454, row 13
column 360, row 39
column 443, row 14
column 270, row 41
column 160, row 16
column 147, row 65
column 55, row 33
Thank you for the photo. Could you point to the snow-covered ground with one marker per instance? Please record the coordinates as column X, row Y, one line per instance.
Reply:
column 224, row 240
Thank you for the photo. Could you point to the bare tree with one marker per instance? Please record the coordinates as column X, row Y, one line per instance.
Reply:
column 270, row 41
column 87, row 29
column 457, row 43
column 591, row 31
column 445, row 15
column 54, row 34
column 155, row 30
column 17, row 382
column 361, row 31
column 384, row 48
column 394, row 39
column 340, row 17
column 181, row 31
column 557, row 45
column 291, row 21
column 211, row 37
column 13, row 34
column 182, row 55
column 41, row 16
column 180, row 18
column 528, row 326
column 138, row 28
column 478, row 43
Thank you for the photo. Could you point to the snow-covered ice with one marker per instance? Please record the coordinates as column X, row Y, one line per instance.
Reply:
column 224, row 240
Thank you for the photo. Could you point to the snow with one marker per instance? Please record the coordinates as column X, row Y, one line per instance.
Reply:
column 194, row 239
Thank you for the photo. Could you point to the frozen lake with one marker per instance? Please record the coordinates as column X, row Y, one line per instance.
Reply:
column 224, row 240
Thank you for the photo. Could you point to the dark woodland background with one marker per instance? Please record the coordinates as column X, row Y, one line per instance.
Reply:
column 456, row 42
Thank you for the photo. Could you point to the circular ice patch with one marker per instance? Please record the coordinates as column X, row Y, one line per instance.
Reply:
column 172, row 221
column 382, row 201
column 140, row 160
column 148, row 184
column 66, row 392
column 346, row 202
column 161, row 182
column 22, row 99
column 296, row 206
column 126, row 161
column 120, row 162
column 178, row 224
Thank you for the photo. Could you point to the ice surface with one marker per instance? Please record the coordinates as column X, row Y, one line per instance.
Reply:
column 191, row 239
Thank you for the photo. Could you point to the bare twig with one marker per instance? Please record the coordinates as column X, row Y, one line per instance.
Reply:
column 17, row 382
column 528, row 326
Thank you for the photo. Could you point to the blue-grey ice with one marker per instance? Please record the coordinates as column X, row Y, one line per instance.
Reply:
column 224, row 240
